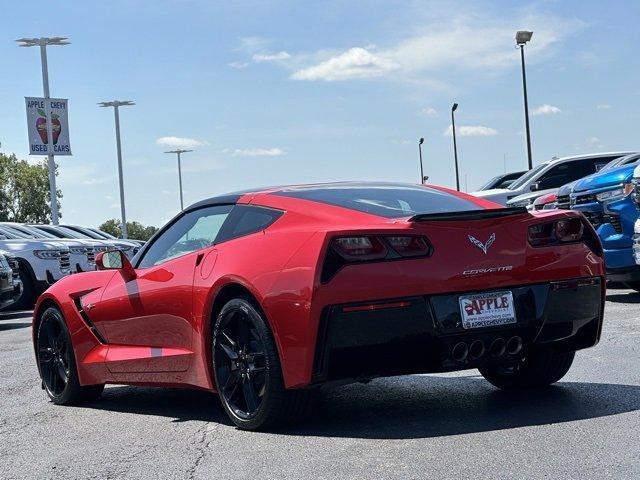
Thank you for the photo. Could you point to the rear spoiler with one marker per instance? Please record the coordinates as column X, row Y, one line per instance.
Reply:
column 469, row 215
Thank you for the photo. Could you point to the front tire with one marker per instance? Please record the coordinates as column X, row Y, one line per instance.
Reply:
column 57, row 363
column 540, row 369
column 28, row 295
column 247, row 369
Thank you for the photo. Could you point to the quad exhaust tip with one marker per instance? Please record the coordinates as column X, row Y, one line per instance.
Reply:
column 460, row 351
column 514, row 345
column 498, row 347
column 476, row 350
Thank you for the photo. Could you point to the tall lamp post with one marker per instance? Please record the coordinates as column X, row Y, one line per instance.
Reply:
column 178, row 152
column 420, row 142
column 522, row 37
column 116, row 104
column 454, row 107
column 42, row 42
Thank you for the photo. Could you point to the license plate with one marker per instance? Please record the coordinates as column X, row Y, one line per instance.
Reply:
column 487, row 310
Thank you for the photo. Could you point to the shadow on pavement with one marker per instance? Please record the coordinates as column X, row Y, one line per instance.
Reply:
column 631, row 297
column 403, row 407
column 12, row 326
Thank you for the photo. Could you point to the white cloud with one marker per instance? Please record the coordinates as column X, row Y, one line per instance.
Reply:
column 594, row 142
column 603, row 106
column 354, row 63
column 466, row 42
column 98, row 180
column 258, row 152
column 471, row 131
column 238, row 65
column 546, row 109
column 180, row 142
column 270, row 57
column 429, row 112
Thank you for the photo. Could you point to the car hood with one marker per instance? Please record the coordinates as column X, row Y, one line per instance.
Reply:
column 490, row 193
column 608, row 178
column 27, row 244
column 566, row 189
column 530, row 196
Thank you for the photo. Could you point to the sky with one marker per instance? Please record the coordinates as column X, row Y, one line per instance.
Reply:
column 277, row 92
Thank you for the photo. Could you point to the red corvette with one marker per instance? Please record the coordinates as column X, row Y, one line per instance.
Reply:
column 264, row 295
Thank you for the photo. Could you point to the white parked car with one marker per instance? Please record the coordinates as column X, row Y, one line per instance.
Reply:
column 41, row 262
column 81, row 253
column 551, row 175
column 129, row 247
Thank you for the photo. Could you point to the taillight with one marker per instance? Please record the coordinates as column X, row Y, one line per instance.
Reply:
column 409, row 245
column 372, row 248
column 360, row 248
column 566, row 230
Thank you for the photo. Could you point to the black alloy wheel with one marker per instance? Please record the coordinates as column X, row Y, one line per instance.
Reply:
column 57, row 363
column 239, row 357
column 53, row 355
column 247, row 370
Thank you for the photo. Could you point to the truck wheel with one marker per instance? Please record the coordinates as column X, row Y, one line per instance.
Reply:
column 539, row 369
column 28, row 296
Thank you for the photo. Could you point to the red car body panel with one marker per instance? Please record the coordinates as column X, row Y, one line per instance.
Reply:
column 156, row 328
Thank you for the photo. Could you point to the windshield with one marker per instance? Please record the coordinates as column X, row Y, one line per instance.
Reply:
column 524, row 179
column 621, row 161
column 490, row 183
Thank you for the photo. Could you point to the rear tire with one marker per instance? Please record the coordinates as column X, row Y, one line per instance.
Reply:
column 57, row 363
column 28, row 296
column 247, row 370
column 633, row 286
column 540, row 369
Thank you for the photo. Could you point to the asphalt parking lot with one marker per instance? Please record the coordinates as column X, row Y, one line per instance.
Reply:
column 425, row 426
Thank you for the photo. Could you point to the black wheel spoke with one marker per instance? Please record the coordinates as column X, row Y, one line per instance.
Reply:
column 229, row 340
column 253, row 369
column 61, row 371
column 243, row 332
column 250, row 396
column 228, row 352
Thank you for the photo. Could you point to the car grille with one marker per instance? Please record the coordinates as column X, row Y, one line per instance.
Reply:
column 563, row 202
column 598, row 218
column 65, row 261
column 636, row 190
column 582, row 199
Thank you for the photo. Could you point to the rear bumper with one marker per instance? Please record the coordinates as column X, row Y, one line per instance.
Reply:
column 418, row 334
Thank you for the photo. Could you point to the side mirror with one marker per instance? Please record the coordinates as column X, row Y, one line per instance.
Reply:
column 116, row 260
column 535, row 187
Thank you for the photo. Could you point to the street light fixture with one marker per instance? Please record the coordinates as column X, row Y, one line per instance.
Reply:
column 420, row 142
column 454, row 107
column 522, row 37
column 179, row 151
column 42, row 42
column 116, row 104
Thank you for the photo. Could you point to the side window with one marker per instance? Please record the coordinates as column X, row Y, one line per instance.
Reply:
column 566, row 172
column 247, row 219
column 191, row 232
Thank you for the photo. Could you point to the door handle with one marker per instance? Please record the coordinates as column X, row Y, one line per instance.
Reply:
column 199, row 258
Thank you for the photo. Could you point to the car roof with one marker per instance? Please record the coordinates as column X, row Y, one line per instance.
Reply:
column 589, row 155
column 233, row 197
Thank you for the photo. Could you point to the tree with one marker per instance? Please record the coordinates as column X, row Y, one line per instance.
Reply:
column 135, row 230
column 24, row 191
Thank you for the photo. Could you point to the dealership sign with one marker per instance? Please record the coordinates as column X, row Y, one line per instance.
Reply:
column 48, row 118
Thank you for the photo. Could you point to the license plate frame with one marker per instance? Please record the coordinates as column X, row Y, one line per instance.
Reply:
column 487, row 309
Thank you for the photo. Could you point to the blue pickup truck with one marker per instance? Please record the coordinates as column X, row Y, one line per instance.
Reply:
column 605, row 199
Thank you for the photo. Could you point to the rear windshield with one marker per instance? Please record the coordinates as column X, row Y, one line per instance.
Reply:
column 385, row 200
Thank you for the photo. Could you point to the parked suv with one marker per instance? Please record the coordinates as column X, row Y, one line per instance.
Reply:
column 605, row 200
column 41, row 263
column 551, row 175
column 10, row 284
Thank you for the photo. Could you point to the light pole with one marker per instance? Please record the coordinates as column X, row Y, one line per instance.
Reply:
column 179, row 151
column 420, row 142
column 42, row 42
column 454, row 107
column 522, row 37
column 116, row 104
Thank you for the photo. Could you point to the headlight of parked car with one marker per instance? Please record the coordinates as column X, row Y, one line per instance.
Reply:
column 522, row 203
column 617, row 193
column 47, row 254
column 78, row 250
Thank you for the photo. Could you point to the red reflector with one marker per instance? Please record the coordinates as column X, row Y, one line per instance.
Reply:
column 376, row 306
